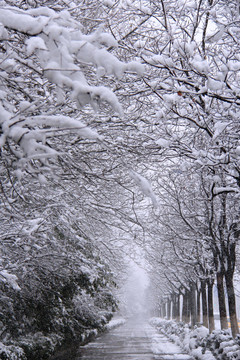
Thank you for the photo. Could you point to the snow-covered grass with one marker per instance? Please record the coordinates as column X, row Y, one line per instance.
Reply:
column 198, row 342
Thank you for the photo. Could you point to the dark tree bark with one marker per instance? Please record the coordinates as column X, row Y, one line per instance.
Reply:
column 174, row 306
column 188, row 306
column 231, row 260
column 204, row 303
column 160, row 311
column 193, row 304
column 232, row 303
column 221, row 301
column 198, row 305
column 210, row 305
column 178, row 308
column 185, row 308
column 169, row 309
column 163, row 310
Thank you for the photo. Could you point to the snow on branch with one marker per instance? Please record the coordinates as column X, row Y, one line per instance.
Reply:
column 222, row 190
column 144, row 186
column 51, row 63
column 22, row 22
column 9, row 279
column 217, row 190
column 31, row 134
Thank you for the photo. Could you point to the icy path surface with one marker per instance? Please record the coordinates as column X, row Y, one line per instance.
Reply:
column 135, row 340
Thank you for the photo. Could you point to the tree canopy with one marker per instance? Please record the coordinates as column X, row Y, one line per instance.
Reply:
column 119, row 125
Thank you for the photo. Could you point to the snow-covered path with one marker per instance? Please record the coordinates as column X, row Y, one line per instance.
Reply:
column 135, row 340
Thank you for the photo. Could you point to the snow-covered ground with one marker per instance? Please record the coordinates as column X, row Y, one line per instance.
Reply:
column 160, row 345
column 136, row 339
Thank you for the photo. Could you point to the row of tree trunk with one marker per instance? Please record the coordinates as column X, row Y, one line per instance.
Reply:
column 198, row 299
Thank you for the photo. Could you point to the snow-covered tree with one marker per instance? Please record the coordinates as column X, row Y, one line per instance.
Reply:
column 47, row 62
column 189, row 99
column 59, row 170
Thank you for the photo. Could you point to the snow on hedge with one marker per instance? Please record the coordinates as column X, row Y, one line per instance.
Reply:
column 198, row 342
column 114, row 323
column 11, row 352
column 9, row 279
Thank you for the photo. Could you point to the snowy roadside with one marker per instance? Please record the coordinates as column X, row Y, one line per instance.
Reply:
column 45, row 346
column 91, row 333
column 198, row 342
column 115, row 323
column 165, row 348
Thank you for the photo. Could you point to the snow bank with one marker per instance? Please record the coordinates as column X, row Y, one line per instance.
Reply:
column 92, row 333
column 198, row 342
column 114, row 323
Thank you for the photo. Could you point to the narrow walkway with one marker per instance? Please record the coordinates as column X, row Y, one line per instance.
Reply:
column 136, row 340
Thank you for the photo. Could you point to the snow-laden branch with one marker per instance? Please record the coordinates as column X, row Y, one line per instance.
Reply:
column 144, row 186
column 54, row 57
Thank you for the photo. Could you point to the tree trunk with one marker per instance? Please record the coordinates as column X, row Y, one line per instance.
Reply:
column 185, row 310
column 178, row 307
column 204, row 303
column 164, row 310
column 168, row 304
column 188, row 306
column 174, row 306
column 198, row 305
column 210, row 306
column 160, row 311
column 193, row 304
column 221, row 301
column 232, row 303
